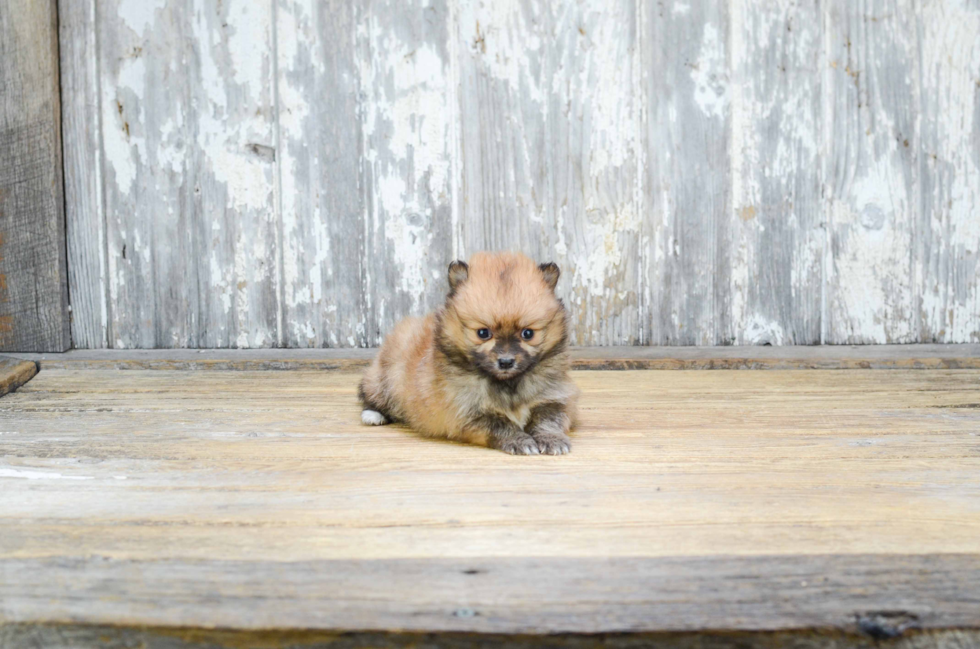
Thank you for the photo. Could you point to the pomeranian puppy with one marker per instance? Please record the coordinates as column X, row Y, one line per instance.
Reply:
column 490, row 367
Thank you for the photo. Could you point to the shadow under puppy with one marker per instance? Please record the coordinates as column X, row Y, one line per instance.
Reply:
column 490, row 367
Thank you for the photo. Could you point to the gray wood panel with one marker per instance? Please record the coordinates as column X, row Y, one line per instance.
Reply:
column 948, row 246
column 84, row 206
column 407, row 120
column 687, row 233
column 872, row 170
column 704, row 173
column 549, row 149
column 366, row 129
column 187, row 116
column 322, row 198
column 33, row 275
column 776, row 222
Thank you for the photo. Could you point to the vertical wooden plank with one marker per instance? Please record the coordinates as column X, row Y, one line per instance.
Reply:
column 187, row 112
column 777, row 211
column 871, row 179
column 687, row 235
column 948, row 250
column 84, row 209
column 407, row 122
column 33, row 276
column 322, row 197
column 550, row 121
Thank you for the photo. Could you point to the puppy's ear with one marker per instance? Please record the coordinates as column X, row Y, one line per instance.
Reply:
column 551, row 274
column 458, row 272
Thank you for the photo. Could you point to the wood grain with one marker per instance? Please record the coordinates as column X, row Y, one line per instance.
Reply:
column 308, row 482
column 776, row 226
column 323, row 200
column 948, row 234
column 704, row 173
column 408, row 122
column 85, row 216
column 33, row 277
column 187, row 134
column 687, row 235
column 15, row 373
column 692, row 501
column 872, row 173
column 533, row 596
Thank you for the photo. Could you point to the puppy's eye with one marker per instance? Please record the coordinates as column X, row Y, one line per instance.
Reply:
column 527, row 334
column 483, row 334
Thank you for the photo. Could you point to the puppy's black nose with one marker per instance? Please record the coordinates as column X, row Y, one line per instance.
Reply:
column 505, row 363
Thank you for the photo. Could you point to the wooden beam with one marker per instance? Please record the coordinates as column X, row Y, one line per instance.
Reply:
column 33, row 272
column 583, row 358
column 842, row 593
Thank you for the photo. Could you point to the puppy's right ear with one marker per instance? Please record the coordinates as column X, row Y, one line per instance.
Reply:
column 458, row 272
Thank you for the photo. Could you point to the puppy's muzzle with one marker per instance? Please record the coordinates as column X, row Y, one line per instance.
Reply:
column 505, row 363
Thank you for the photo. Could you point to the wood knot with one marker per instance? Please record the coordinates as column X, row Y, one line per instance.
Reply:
column 885, row 625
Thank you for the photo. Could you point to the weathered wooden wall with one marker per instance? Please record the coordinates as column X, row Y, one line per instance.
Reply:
column 299, row 172
column 33, row 276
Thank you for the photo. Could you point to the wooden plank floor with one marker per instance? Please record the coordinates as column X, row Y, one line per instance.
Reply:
column 692, row 502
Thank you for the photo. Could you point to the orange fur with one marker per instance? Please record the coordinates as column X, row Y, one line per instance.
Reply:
column 437, row 375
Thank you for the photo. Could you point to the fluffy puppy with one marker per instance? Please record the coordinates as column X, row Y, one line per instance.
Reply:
column 490, row 367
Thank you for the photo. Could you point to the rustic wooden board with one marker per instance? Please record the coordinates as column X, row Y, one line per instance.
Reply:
column 948, row 245
column 33, row 278
column 322, row 198
column 583, row 358
column 873, row 91
column 692, row 501
column 187, row 119
column 777, row 215
column 542, row 595
column 84, row 201
column 15, row 373
column 408, row 120
column 687, row 233
column 853, row 432
column 550, row 138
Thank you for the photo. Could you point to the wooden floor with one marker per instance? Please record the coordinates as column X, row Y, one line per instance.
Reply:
column 693, row 502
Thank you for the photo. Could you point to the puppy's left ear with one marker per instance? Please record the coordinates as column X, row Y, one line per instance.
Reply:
column 458, row 272
column 551, row 274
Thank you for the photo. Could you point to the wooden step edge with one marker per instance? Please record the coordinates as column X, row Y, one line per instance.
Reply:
column 15, row 372
column 81, row 636
column 905, row 357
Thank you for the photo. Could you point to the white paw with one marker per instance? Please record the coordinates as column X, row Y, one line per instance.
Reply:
column 373, row 418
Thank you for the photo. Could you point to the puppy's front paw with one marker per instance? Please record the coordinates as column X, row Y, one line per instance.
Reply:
column 373, row 418
column 554, row 444
column 519, row 446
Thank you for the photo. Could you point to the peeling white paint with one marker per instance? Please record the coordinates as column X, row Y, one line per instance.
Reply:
column 760, row 330
column 873, row 260
column 124, row 150
column 710, row 74
column 566, row 123
column 139, row 14
column 406, row 125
